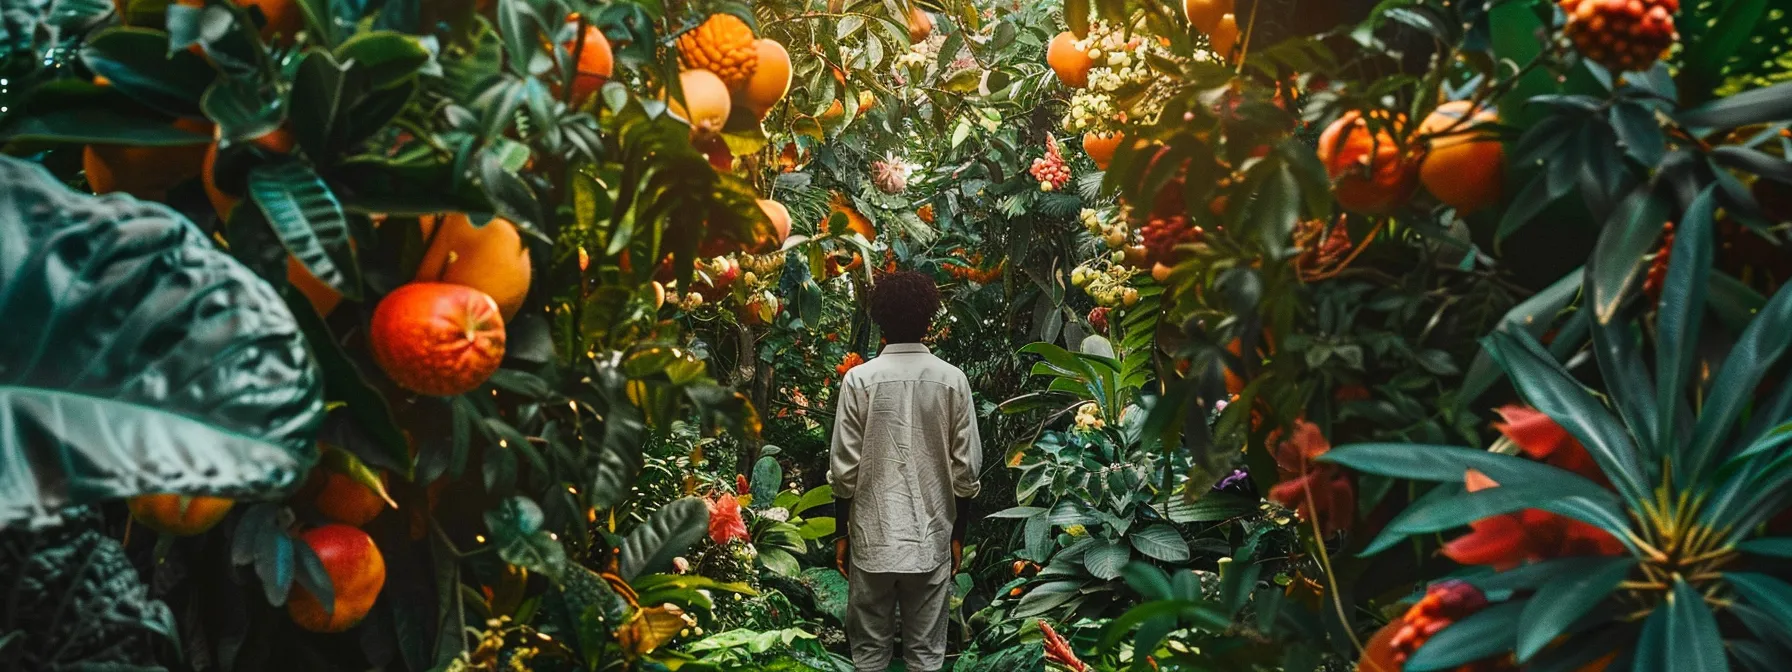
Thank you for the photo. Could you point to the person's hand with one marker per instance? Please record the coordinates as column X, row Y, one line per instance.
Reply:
column 957, row 555
column 840, row 554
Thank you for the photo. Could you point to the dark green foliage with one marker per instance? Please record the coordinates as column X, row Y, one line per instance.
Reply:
column 76, row 603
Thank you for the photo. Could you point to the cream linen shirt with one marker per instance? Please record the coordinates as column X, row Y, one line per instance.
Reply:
column 905, row 444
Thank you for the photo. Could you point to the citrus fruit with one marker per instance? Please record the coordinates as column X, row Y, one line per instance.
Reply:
column 1205, row 15
column 347, row 501
column 596, row 63
column 1465, row 167
column 1370, row 172
column 490, row 258
column 179, row 515
column 780, row 217
column 920, row 24
column 770, row 80
column 437, row 338
column 705, row 103
column 1224, row 36
column 1068, row 60
column 145, row 172
column 357, row 573
column 1101, row 147
column 723, row 45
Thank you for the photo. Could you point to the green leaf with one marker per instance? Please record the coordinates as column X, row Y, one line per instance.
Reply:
column 516, row 527
column 664, row 535
column 310, row 222
column 1106, row 559
column 1076, row 16
column 1681, row 635
column 318, row 99
column 383, row 58
column 1209, row 508
column 1756, row 106
column 81, row 604
column 1535, row 316
column 829, row 587
column 1733, row 388
column 1046, row 597
column 1547, row 386
column 1564, row 600
column 812, row 498
column 767, row 476
column 1774, row 547
column 1160, row 541
column 1447, row 464
column 1615, row 271
column 1445, row 513
column 1702, row 65
column 1487, row 632
column 152, row 362
column 140, row 64
column 780, row 561
column 1681, row 313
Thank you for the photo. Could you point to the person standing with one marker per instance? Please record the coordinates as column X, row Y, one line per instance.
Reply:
column 904, row 467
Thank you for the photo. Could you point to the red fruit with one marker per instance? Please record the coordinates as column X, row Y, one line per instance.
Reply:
column 347, row 501
column 1162, row 235
column 437, row 338
column 1370, row 172
column 1622, row 35
column 357, row 573
column 1098, row 318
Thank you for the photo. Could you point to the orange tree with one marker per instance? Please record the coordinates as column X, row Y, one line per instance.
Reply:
column 402, row 302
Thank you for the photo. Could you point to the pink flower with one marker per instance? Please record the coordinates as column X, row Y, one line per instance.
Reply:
column 725, row 524
column 1321, row 492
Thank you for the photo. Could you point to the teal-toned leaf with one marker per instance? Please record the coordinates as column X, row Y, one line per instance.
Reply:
column 1209, row 508
column 77, row 567
column 829, row 587
column 319, row 99
column 1106, row 559
column 1702, row 64
column 1160, row 541
column 383, row 58
column 1733, row 388
column 1564, row 600
column 1681, row 635
column 1614, row 273
column 1448, row 464
column 1046, row 597
column 147, row 361
column 1543, row 382
column 1773, row 547
column 1487, row 632
column 1681, row 312
column 664, row 535
column 516, row 527
column 140, row 64
column 1772, row 596
column 767, row 476
column 1756, row 106
column 1445, row 513
column 309, row 220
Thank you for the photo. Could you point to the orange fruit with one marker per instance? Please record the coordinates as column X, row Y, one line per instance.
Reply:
column 1465, row 169
column 357, row 573
column 1161, row 272
column 855, row 221
column 437, row 338
column 780, row 217
column 179, row 515
column 596, row 63
column 1224, row 35
column 145, row 172
column 1101, row 147
column 706, row 101
column 920, row 24
column 770, row 80
column 1370, row 173
column 1205, row 15
column 285, row 19
column 723, row 45
column 1070, row 62
column 277, row 141
column 347, row 501
column 490, row 258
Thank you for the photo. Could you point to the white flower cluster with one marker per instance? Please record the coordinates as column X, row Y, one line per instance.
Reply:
column 1112, row 230
column 1088, row 417
column 1120, row 72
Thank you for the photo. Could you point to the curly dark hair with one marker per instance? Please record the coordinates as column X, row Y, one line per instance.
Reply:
column 903, row 305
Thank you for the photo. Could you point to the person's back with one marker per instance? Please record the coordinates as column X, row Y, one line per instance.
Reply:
column 904, row 468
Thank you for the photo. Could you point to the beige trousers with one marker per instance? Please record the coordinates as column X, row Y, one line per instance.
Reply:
column 878, row 604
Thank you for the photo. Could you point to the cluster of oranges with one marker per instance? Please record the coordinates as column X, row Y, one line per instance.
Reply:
column 1375, row 173
column 727, row 66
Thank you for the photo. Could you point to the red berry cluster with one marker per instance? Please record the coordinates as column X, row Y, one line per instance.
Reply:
column 1098, row 318
column 1658, row 269
column 1051, row 170
column 1163, row 234
column 1622, row 35
column 1444, row 603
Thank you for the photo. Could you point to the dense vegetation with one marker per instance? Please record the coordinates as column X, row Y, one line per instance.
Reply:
column 503, row 334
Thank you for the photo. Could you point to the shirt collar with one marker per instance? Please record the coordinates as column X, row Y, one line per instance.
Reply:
column 905, row 349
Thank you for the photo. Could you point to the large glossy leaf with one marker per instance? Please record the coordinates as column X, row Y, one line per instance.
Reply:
column 145, row 359
column 1754, row 353
column 1758, row 106
column 1447, row 464
column 1445, row 513
column 1681, row 636
column 1160, row 541
column 1483, row 634
column 516, row 527
column 1615, row 270
column 1772, row 596
column 1105, row 560
column 1543, row 382
column 1681, row 313
column 75, row 601
column 1711, row 46
column 306, row 215
column 139, row 64
column 665, row 534
column 1564, row 600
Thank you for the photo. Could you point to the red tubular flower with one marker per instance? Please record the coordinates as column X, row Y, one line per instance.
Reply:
column 1058, row 650
column 725, row 524
column 1540, row 437
column 1507, row 541
column 1321, row 492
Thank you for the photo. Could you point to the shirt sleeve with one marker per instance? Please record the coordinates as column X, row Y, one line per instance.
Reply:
column 967, row 446
column 848, row 446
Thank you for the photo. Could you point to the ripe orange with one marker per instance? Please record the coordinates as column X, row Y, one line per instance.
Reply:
column 723, row 45
column 770, row 80
column 1070, row 62
column 706, row 101
column 145, row 172
column 1160, row 272
column 1101, row 147
column 490, row 258
column 1205, row 15
column 920, row 24
column 780, row 217
column 357, row 573
column 179, row 515
column 596, row 63
column 1224, row 36
column 1370, row 173
column 347, row 501
column 1466, row 168
column 437, row 338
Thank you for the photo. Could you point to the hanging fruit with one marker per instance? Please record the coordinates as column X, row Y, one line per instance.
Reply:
column 1205, row 15
column 490, row 258
column 1051, row 170
column 357, row 573
column 705, row 104
column 1371, row 173
column 179, row 515
column 595, row 65
column 1071, row 62
column 1622, row 35
column 1464, row 167
column 437, row 338
column 770, row 80
column 723, row 45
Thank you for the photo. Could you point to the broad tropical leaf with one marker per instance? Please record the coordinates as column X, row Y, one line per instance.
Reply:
column 665, row 534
